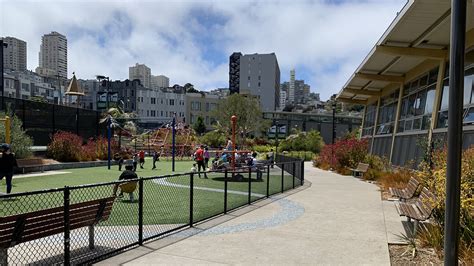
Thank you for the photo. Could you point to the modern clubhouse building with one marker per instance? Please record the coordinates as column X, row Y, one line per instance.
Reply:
column 403, row 83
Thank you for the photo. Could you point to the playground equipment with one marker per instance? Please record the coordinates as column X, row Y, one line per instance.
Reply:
column 7, row 122
column 161, row 140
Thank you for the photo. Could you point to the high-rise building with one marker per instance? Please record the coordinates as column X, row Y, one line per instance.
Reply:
column 258, row 75
column 291, row 91
column 142, row 73
column 159, row 81
column 282, row 99
column 53, row 55
column 301, row 91
column 234, row 72
column 14, row 56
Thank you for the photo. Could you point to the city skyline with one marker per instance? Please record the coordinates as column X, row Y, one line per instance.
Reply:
column 192, row 41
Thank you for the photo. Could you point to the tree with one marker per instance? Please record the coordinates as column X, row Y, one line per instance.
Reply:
column 20, row 141
column 121, row 120
column 199, row 126
column 248, row 112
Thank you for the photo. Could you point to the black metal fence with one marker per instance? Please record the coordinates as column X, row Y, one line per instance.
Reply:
column 85, row 224
column 41, row 120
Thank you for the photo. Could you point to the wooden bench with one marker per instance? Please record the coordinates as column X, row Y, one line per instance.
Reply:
column 361, row 169
column 420, row 210
column 408, row 192
column 30, row 163
column 34, row 225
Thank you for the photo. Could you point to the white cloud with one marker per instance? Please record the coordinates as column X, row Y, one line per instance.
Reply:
column 325, row 41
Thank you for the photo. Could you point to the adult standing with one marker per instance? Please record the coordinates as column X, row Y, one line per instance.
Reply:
column 229, row 145
column 156, row 157
column 141, row 155
column 200, row 161
column 7, row 164
column 271, row 157
column 135, row 162
column 207, row 156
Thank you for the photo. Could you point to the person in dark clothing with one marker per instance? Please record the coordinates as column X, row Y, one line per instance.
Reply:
column 128, row 174
column 7, row 165
column 156, row 157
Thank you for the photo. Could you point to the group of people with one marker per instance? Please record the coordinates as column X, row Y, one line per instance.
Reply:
column 138, row 159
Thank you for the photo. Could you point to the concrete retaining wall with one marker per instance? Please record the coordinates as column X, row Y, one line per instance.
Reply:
column 62, row 166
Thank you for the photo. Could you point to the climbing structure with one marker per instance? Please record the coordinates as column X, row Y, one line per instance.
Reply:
column 160, row 140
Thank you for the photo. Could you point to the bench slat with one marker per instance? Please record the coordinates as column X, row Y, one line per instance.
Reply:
column 58, row 221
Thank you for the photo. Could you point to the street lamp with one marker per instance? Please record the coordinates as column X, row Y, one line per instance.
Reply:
column 173, row 147
column 277, row 127
column 333, row 132
column 2, row 45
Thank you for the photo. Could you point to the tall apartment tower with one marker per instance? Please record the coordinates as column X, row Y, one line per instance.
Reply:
column 141, row 72
column 259, row 75
column 234, row 72
column 291, row 90
column 159, row 81
column 53, row 55
column 14, row 56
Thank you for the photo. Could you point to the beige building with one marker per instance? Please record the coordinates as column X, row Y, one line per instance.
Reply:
column 142, row 73
column 159, row 81
column 404, row 83
column 53, row 55
column 14, row 56
column 201, row 105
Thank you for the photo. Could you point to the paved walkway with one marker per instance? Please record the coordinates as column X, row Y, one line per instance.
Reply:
column 336, row 220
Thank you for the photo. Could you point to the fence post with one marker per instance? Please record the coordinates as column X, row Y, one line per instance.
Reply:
column 302, row 173
column 282, row 177
column 225, row 191
column 250, row 185
column 140, row 212
column 191, row 199
column 268, row 180
column 67, row 237
column 294, row 174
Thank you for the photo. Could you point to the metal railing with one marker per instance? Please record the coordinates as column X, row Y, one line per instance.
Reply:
column 85, row 224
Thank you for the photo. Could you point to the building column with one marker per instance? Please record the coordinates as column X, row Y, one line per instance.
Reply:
column 397, row 118
column 363, row 121
column 375, row 124
column 437, row 100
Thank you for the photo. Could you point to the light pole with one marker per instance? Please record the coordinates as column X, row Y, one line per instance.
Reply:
column 453, row 170
column 333, row 132
column 2, row 45
column 277, row 127
column 173, row 144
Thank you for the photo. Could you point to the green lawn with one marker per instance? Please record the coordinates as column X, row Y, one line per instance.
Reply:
column 162, row 204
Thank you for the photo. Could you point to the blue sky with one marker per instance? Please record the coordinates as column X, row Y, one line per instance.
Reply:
column 190, row 41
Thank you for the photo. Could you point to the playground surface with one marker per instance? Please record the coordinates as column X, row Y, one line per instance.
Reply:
column 334, row 220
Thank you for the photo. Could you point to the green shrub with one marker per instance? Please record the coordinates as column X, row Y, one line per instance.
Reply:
column 214, row 139
column 262, row 148
column 303, row 141
column 20, row 142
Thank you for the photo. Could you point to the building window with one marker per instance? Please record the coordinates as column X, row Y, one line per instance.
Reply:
column 259, row 77
column 259, row 84
column 196, row 106
column 153, row 100
column 248, row 77
column 171, row 101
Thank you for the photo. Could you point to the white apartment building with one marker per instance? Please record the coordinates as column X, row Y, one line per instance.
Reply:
column 142, row 73
column 14, row 56
column 157, row 106
column 53, row 55
column 27, row 84
column 159, row 81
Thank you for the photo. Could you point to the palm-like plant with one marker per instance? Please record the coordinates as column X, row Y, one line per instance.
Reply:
column 116, row 117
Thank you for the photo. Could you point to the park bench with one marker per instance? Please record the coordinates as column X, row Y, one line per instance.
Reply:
column 34, row 225
column 360, row 170
column 408, row 192
column 36, row 163
column 420, row 210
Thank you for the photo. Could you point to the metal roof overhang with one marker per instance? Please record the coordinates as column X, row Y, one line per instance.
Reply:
column 420, row 32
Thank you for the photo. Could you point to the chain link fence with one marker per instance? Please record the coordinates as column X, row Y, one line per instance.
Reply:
column 85, row 224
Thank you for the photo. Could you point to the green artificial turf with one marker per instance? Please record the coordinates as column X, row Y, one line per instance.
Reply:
column 162, row 204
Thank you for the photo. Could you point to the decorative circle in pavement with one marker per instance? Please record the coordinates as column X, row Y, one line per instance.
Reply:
column 289, row 211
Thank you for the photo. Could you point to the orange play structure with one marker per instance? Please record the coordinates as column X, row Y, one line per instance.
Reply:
column 160, row 140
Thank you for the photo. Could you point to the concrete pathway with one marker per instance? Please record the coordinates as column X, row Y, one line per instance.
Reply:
column 336, row 220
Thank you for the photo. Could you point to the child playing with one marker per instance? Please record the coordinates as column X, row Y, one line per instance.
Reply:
column 194, row 169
